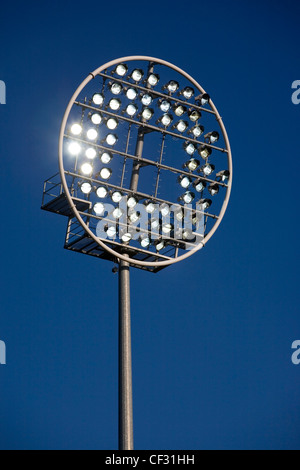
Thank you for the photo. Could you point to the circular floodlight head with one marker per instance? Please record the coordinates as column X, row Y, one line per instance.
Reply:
column 92, row 134
column 131, row 94
column 194, row 115
column 153, row 79
column 86, row 169
column 137, row 75
column 205, row 204
column 116, row 196
column 114, row 104
column 99, row 208
column 132, row 202
column 181, row 93
column 98, row 99
column 86, row 188
column 106, row 157
column 117, row 213
column 172, row 86
column 164, row 105
column 96, row 118
column 74, row 148
column 207, row 169
column 189, row 148
column 112, row 123
column 105, row 173
column 181, row 126
column 203, row 99
column 121, row 70
column 188, row 92
column 116, row 88
column 101, row 192
column 192, row 164
column 111, row 139
column 90, row 153
column 76, row 129
column 131, row 110
column 146, row 99
column 204, row 151
column 147, row 114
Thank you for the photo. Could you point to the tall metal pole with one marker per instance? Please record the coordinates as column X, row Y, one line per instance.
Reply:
column 125, row 363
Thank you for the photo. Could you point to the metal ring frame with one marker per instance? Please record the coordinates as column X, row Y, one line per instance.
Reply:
column 116, row 254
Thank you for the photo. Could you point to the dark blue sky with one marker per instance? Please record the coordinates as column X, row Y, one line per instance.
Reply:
column 211, row 337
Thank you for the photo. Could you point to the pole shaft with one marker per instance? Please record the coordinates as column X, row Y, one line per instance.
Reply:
column 125, row 362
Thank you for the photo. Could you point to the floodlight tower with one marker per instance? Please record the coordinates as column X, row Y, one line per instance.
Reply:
column 144, row 179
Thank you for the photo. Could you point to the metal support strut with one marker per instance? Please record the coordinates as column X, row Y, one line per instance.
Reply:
column 125, row 362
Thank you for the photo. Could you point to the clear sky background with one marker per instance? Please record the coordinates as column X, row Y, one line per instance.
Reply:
column 212, row 336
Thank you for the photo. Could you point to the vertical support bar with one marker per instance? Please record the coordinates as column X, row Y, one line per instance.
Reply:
column 125, row 362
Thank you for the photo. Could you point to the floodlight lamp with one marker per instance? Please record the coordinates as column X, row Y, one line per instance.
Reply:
column 144, row 240
column 137, row 75
column 99, row 208
column 132, row 202
column 223, row 175
column 167, row 228
column 195, row 217
column 172, row 86
column 112, row 123
column 76, row 129
column 194, row 115
column 114, row 104
column 196, row 131
column 147, row 113
column 101, row 192
column 131, row 110
column 126, row 237
column 131, row 94
column 187, row 234
column 111, row 139
column 86, row 169
column 207, row 169
column 116, row 88
column 204, row 151
column 199, row 185
column 184, row 181
column 164, row 209
column 187, row 197
column 192, row 164
column 116, row 196
column 146, row 99
column 212, row 137
column 203, row 99
column 154, row 223
column 106, row 157
column 74, row 148
column 165, row 120
column 90, row 153
column 133, row 216
column 98, row 99
column 111, row 231
column 92, row 134
column 117, row 213
column 86, row 188
column 188, row 92
column 96, row 118
column 179, row 215
column 159, row 245
column 105, row 173
column 189, row 148
column 179, row 109
column 204, row 204
column 181, row 126
column 153, row 79
column 213, row 189
column 150, row 207
column 164, row 105
column 121, row 70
